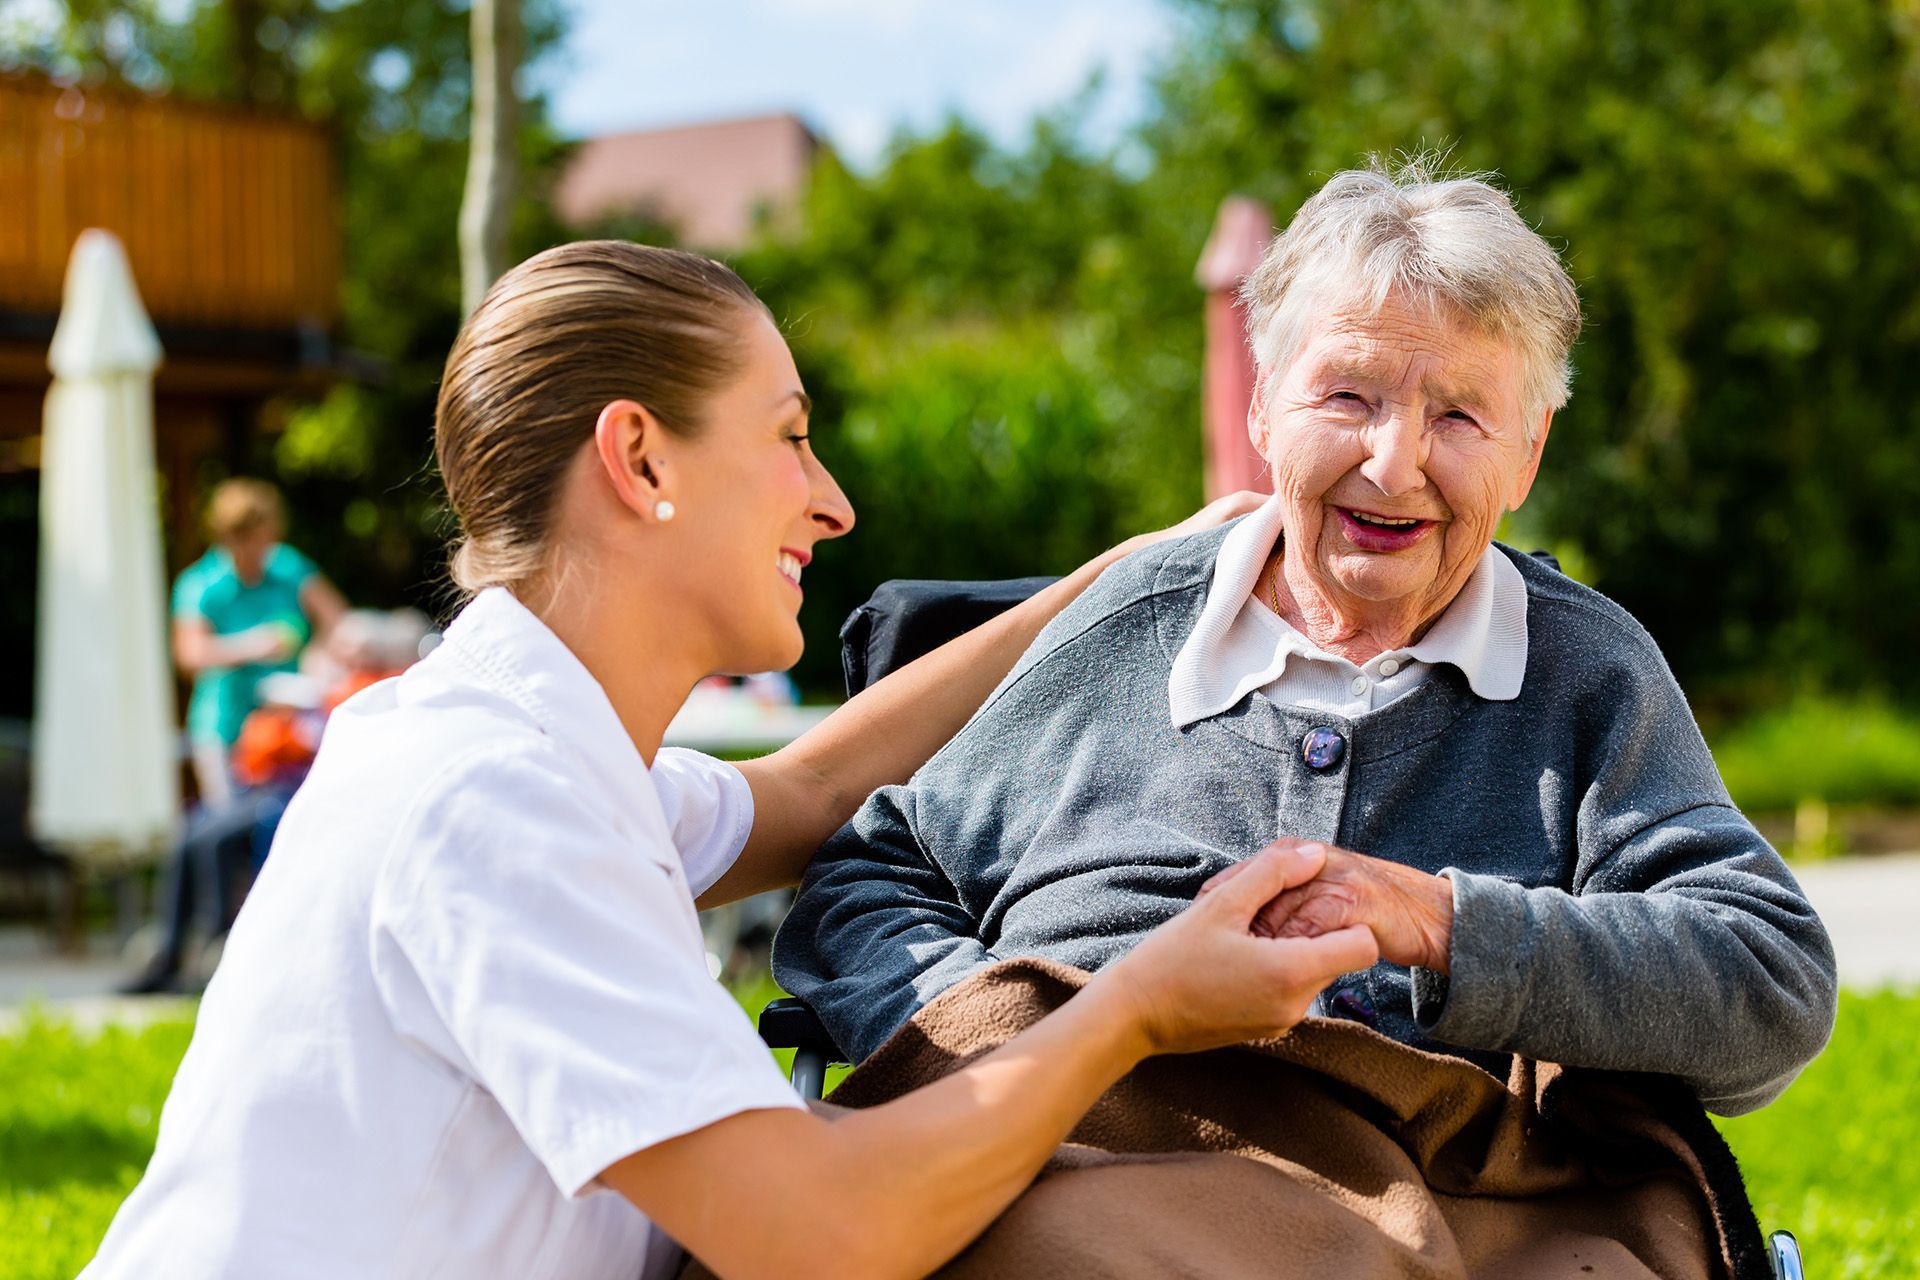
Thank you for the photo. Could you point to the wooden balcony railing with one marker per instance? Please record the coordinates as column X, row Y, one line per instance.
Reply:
column 230, row 218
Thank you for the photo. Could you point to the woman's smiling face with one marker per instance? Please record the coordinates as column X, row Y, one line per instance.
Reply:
column 1397, row 439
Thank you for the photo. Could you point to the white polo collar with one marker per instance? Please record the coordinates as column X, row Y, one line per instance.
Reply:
column 1235, row 648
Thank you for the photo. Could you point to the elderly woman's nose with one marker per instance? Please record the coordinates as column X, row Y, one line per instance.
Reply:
column 1396, row 456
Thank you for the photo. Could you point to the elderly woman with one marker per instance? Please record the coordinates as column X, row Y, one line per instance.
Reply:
column 1549, row 860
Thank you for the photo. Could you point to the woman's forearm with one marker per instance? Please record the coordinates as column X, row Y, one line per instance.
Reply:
column 897, row 1190
column 805, row 791
column 941, row 1163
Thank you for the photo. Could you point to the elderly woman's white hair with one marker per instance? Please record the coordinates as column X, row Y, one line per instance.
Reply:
column 1455, row 243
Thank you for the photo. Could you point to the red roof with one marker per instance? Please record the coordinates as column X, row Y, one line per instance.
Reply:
column 709, row 181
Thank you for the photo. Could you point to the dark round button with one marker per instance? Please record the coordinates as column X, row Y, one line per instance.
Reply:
column 1353, row 1005
column 1322, row 749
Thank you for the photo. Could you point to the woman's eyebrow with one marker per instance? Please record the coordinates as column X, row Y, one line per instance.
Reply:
column 806, row 401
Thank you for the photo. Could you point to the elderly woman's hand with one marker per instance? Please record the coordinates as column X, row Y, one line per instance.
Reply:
column 1409, row 911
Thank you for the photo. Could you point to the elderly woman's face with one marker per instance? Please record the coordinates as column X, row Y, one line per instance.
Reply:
column 1396, row 441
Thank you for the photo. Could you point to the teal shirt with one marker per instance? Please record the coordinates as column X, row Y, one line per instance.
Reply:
column 210, row 589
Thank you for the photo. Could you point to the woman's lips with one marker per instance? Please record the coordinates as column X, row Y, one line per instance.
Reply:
column 1376, row 537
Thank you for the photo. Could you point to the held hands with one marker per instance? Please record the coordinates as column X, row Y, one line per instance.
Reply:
column 1209, row 977
column 1409, row 912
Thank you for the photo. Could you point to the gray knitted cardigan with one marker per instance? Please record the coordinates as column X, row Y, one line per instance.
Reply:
column 1611, row 907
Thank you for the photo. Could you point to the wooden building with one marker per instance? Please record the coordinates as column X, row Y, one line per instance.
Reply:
column 231, row 220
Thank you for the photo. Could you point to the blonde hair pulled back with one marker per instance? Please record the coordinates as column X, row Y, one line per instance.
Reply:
column 556, row 340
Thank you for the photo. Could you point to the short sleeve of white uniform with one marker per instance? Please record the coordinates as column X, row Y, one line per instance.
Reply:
column 555, row 960
column 709, row 809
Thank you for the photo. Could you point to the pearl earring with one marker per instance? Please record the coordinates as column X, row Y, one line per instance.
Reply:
column 663, row 511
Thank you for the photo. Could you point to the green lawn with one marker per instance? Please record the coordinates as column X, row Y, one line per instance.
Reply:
column 1835, row 1159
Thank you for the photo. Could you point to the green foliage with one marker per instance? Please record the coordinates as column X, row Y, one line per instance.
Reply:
column 1733, row 185
column 1832, row 1160
column 1824, row 750
column 1003, row 348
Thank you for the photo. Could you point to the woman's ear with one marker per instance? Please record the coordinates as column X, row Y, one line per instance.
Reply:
column 633, row 450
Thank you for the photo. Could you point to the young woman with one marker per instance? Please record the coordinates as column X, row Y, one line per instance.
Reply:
column 468, row 991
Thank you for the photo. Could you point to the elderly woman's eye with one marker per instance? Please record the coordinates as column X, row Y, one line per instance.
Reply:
column 1461, row 415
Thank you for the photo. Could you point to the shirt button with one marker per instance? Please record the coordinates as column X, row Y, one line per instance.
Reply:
column 1359, row 684
column 1322, row 749
column 1389, row 667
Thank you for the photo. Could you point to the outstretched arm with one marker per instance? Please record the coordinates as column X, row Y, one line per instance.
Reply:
column 896, row 1190
column 805, row 792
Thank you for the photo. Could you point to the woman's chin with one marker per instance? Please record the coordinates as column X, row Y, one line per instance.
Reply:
column 777, row 653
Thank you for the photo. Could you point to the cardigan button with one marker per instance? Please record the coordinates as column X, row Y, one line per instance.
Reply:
column 1354, row 1006
column 1322, row 749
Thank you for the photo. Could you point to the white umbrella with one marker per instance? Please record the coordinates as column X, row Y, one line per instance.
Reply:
column 105, row 765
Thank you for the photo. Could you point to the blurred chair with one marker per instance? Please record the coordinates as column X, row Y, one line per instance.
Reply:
column 37, row 881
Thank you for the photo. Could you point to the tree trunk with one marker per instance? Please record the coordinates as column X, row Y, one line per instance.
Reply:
column 491, row 159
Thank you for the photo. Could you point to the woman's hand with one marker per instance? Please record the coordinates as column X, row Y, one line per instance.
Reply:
column 1409, row 912
column 896, row 1190
column 1211, row 516
column 1209, row 977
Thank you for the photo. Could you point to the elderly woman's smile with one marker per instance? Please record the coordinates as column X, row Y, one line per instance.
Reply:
column 1398, row 437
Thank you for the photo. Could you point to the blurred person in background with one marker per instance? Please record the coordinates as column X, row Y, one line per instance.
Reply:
column 241, row 612
column 214, row 863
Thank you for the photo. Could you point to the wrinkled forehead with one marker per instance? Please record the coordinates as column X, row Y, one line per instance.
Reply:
column 1404, row 345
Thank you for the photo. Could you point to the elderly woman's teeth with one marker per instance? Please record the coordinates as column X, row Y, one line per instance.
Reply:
column 1382, row 521
column 790, row 565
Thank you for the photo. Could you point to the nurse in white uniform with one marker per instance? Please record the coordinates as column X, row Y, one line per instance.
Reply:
column 464, row 1026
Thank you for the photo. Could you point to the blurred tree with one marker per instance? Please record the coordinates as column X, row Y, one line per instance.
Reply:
column 487, row 204
column 392, row 78
column 1735, row 187
column 1003, row 347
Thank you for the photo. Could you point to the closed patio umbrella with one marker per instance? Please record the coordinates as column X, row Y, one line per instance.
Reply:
column 105, row 769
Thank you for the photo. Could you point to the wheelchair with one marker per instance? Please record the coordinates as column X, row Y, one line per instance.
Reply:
column 902, row 620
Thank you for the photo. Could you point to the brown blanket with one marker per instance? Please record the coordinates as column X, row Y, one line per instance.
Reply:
column 1334, row 1151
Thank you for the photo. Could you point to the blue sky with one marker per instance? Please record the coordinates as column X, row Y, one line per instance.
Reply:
column 854, row 69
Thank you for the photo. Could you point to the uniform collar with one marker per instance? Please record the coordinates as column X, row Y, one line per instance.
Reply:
column 1235, row 648
column 515, row 655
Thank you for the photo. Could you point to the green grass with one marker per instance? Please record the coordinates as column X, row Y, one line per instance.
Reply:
column 78, row 1116
column 1837, row 1159
column 1834, row 1160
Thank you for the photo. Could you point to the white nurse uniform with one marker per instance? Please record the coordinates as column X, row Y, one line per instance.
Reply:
column 469, row 979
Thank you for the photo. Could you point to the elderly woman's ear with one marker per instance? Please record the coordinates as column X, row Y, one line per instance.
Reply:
column 1523, row 483
column 1257, row 430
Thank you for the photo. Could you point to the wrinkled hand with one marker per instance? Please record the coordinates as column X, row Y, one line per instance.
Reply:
column 1206, row 978
column 1409, row 912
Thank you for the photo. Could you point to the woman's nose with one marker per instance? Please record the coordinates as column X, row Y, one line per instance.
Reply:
column 830, row 511
column 1396, row 455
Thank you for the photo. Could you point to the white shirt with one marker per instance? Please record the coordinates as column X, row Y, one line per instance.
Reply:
column 469, row 979
column 1239, row 644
